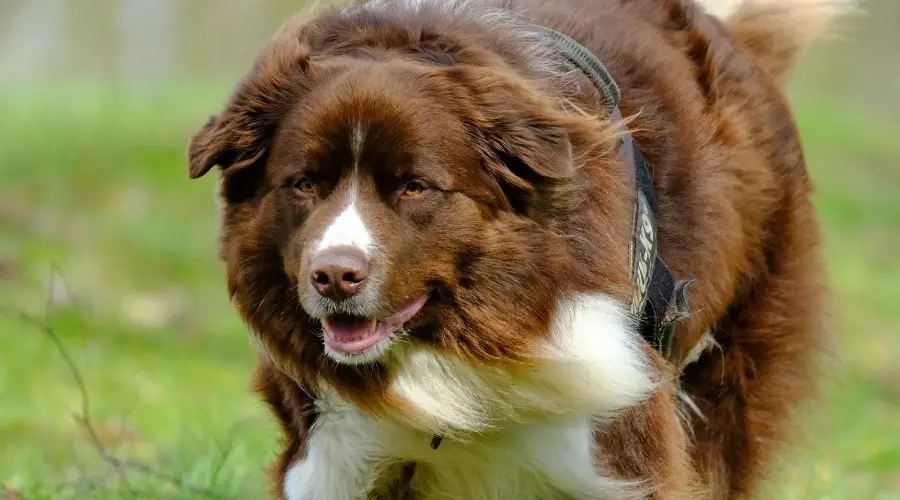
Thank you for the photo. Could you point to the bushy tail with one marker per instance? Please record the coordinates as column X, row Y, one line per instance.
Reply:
column 776, row 32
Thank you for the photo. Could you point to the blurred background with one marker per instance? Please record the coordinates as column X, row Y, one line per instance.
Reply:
column 108, row 251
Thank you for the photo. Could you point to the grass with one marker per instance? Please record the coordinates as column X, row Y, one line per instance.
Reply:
column 95, row 182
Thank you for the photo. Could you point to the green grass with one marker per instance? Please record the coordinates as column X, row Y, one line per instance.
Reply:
column 95, row 183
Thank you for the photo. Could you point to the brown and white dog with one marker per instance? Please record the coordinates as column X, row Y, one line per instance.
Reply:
column 426, row 228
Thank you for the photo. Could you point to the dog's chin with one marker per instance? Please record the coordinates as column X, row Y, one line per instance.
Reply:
column 356, row 340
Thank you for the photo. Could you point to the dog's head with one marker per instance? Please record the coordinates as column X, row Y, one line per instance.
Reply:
column 388, row 190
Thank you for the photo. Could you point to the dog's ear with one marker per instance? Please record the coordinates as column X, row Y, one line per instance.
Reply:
column 218, row 142
column 521, row 135
column 205, row 149
column 524, row 146
column 238, row 145
column 238, row 136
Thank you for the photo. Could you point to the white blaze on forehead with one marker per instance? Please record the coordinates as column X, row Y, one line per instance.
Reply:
column 347, row 229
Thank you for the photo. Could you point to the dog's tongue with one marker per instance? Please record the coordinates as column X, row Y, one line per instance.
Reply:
column 354, row 335
column 350, row 335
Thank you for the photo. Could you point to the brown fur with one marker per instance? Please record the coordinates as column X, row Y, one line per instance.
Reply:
column 532, row 203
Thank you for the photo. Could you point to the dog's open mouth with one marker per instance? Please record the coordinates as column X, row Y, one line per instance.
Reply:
column 355, row 335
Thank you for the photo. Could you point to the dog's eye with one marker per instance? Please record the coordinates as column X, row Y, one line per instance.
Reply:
column 413, row 189
column 304, row 186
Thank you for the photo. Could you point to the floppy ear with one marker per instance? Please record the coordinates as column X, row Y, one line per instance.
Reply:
column 233, row 144
column 527, row 146
column 219, row 143
column 239, row 136
column 522, row 136
column 205, row 149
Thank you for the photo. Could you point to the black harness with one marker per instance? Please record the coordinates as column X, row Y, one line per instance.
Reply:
column 659, row 300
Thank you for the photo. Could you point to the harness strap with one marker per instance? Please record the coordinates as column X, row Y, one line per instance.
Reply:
column 659, row 300
column 588, row 63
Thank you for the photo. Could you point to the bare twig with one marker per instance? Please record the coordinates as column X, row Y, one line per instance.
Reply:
column 120, row 467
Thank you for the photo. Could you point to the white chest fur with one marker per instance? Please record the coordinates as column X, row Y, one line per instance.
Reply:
column 350, row 452
column 500, row 445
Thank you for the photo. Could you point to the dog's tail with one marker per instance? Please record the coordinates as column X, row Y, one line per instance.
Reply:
column 776, row 32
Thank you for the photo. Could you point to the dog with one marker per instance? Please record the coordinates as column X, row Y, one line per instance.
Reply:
column 461, row 236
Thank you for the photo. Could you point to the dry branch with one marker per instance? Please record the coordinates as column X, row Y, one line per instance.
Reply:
column 118, row 467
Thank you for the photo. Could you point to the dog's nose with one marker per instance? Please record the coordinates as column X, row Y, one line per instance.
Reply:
column 338, row 273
